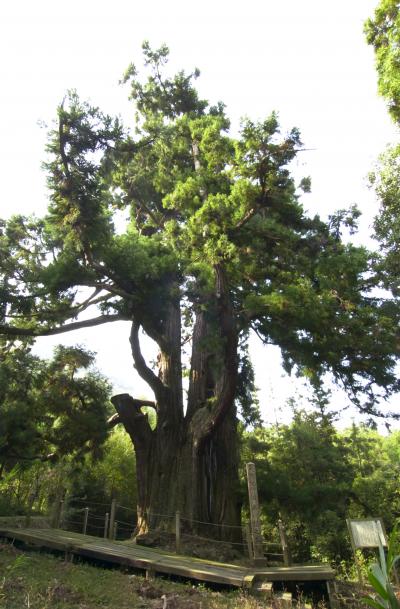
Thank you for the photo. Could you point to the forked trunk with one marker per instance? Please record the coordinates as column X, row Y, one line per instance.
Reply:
column 189, row 462
column 173, row 474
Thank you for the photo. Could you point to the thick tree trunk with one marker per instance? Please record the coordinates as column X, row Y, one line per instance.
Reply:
column 218, row 498
column 173, row 474
column 189, row 462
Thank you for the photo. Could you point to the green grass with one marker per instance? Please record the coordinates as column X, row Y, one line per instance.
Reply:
column 33, row 580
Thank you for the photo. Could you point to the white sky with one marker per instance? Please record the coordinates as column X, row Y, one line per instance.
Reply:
column 308, row 60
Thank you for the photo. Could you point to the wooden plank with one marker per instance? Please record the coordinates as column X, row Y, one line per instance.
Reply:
column 295, row 574
column 168, row 564
column 152, row 559
column 114, row 557
column 211, row 575
column 182, row 558
column 164, row 565
column 37, row 540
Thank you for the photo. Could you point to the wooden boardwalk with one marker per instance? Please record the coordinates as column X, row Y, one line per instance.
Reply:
column 157, row 561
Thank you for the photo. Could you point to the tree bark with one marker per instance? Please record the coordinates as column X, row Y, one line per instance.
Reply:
column 189, row 462
column 174, row 473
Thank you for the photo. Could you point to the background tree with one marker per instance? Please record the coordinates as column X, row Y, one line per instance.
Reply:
column 383, row 33
column 94, row 482
column 373, row 461
column 50, row 411
column 217, row 245
column 314, row 476
column 305, row 478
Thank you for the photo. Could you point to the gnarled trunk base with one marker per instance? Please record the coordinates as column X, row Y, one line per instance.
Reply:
column 174, row 474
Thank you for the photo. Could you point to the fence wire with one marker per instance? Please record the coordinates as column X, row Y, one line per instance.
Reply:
column 125, row 526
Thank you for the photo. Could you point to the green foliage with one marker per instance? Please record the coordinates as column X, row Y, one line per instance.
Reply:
column 49, row 409
column 374, row 487
column 379, row 577
column 112, row 476
column 303, row 477
column 53, row 422
column 39, row 485
column 383, row 33
column 348, row 571
column 386, row 183
column 246, row 393
column 314, row 477
column 43, row 581
column 78, row 208
column 197, row 197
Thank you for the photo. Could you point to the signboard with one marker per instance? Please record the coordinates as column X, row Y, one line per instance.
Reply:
column 367, row 533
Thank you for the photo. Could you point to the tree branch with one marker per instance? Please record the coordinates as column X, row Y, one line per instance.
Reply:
column 114, row 420
column 49, row 457
column 75, row 309
column 260, row 203
column 61, row 137
column 137, row 425
column 197, row 166
column 87, row 323
column 248, row 215
column 134, row 194
column 145, row 372
column 133, row 419
column 117, row 291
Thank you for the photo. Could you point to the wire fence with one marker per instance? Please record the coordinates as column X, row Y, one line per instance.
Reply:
column 107, row 520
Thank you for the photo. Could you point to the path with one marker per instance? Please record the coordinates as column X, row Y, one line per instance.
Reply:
column 158, row 561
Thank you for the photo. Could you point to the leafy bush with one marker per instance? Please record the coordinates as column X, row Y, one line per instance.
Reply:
column 379, row 577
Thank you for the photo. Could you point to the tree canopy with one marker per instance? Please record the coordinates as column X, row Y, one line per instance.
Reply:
column 197, row 199
column 217, row 245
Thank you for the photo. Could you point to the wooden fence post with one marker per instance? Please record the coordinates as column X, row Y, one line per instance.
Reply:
column 247, row 536
column 256, row 536
column 106, row 519
column 115, row 530
column 59, row 514
column 284, row 542
column 85, row 520
column 178, row 532
column 112, row 518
